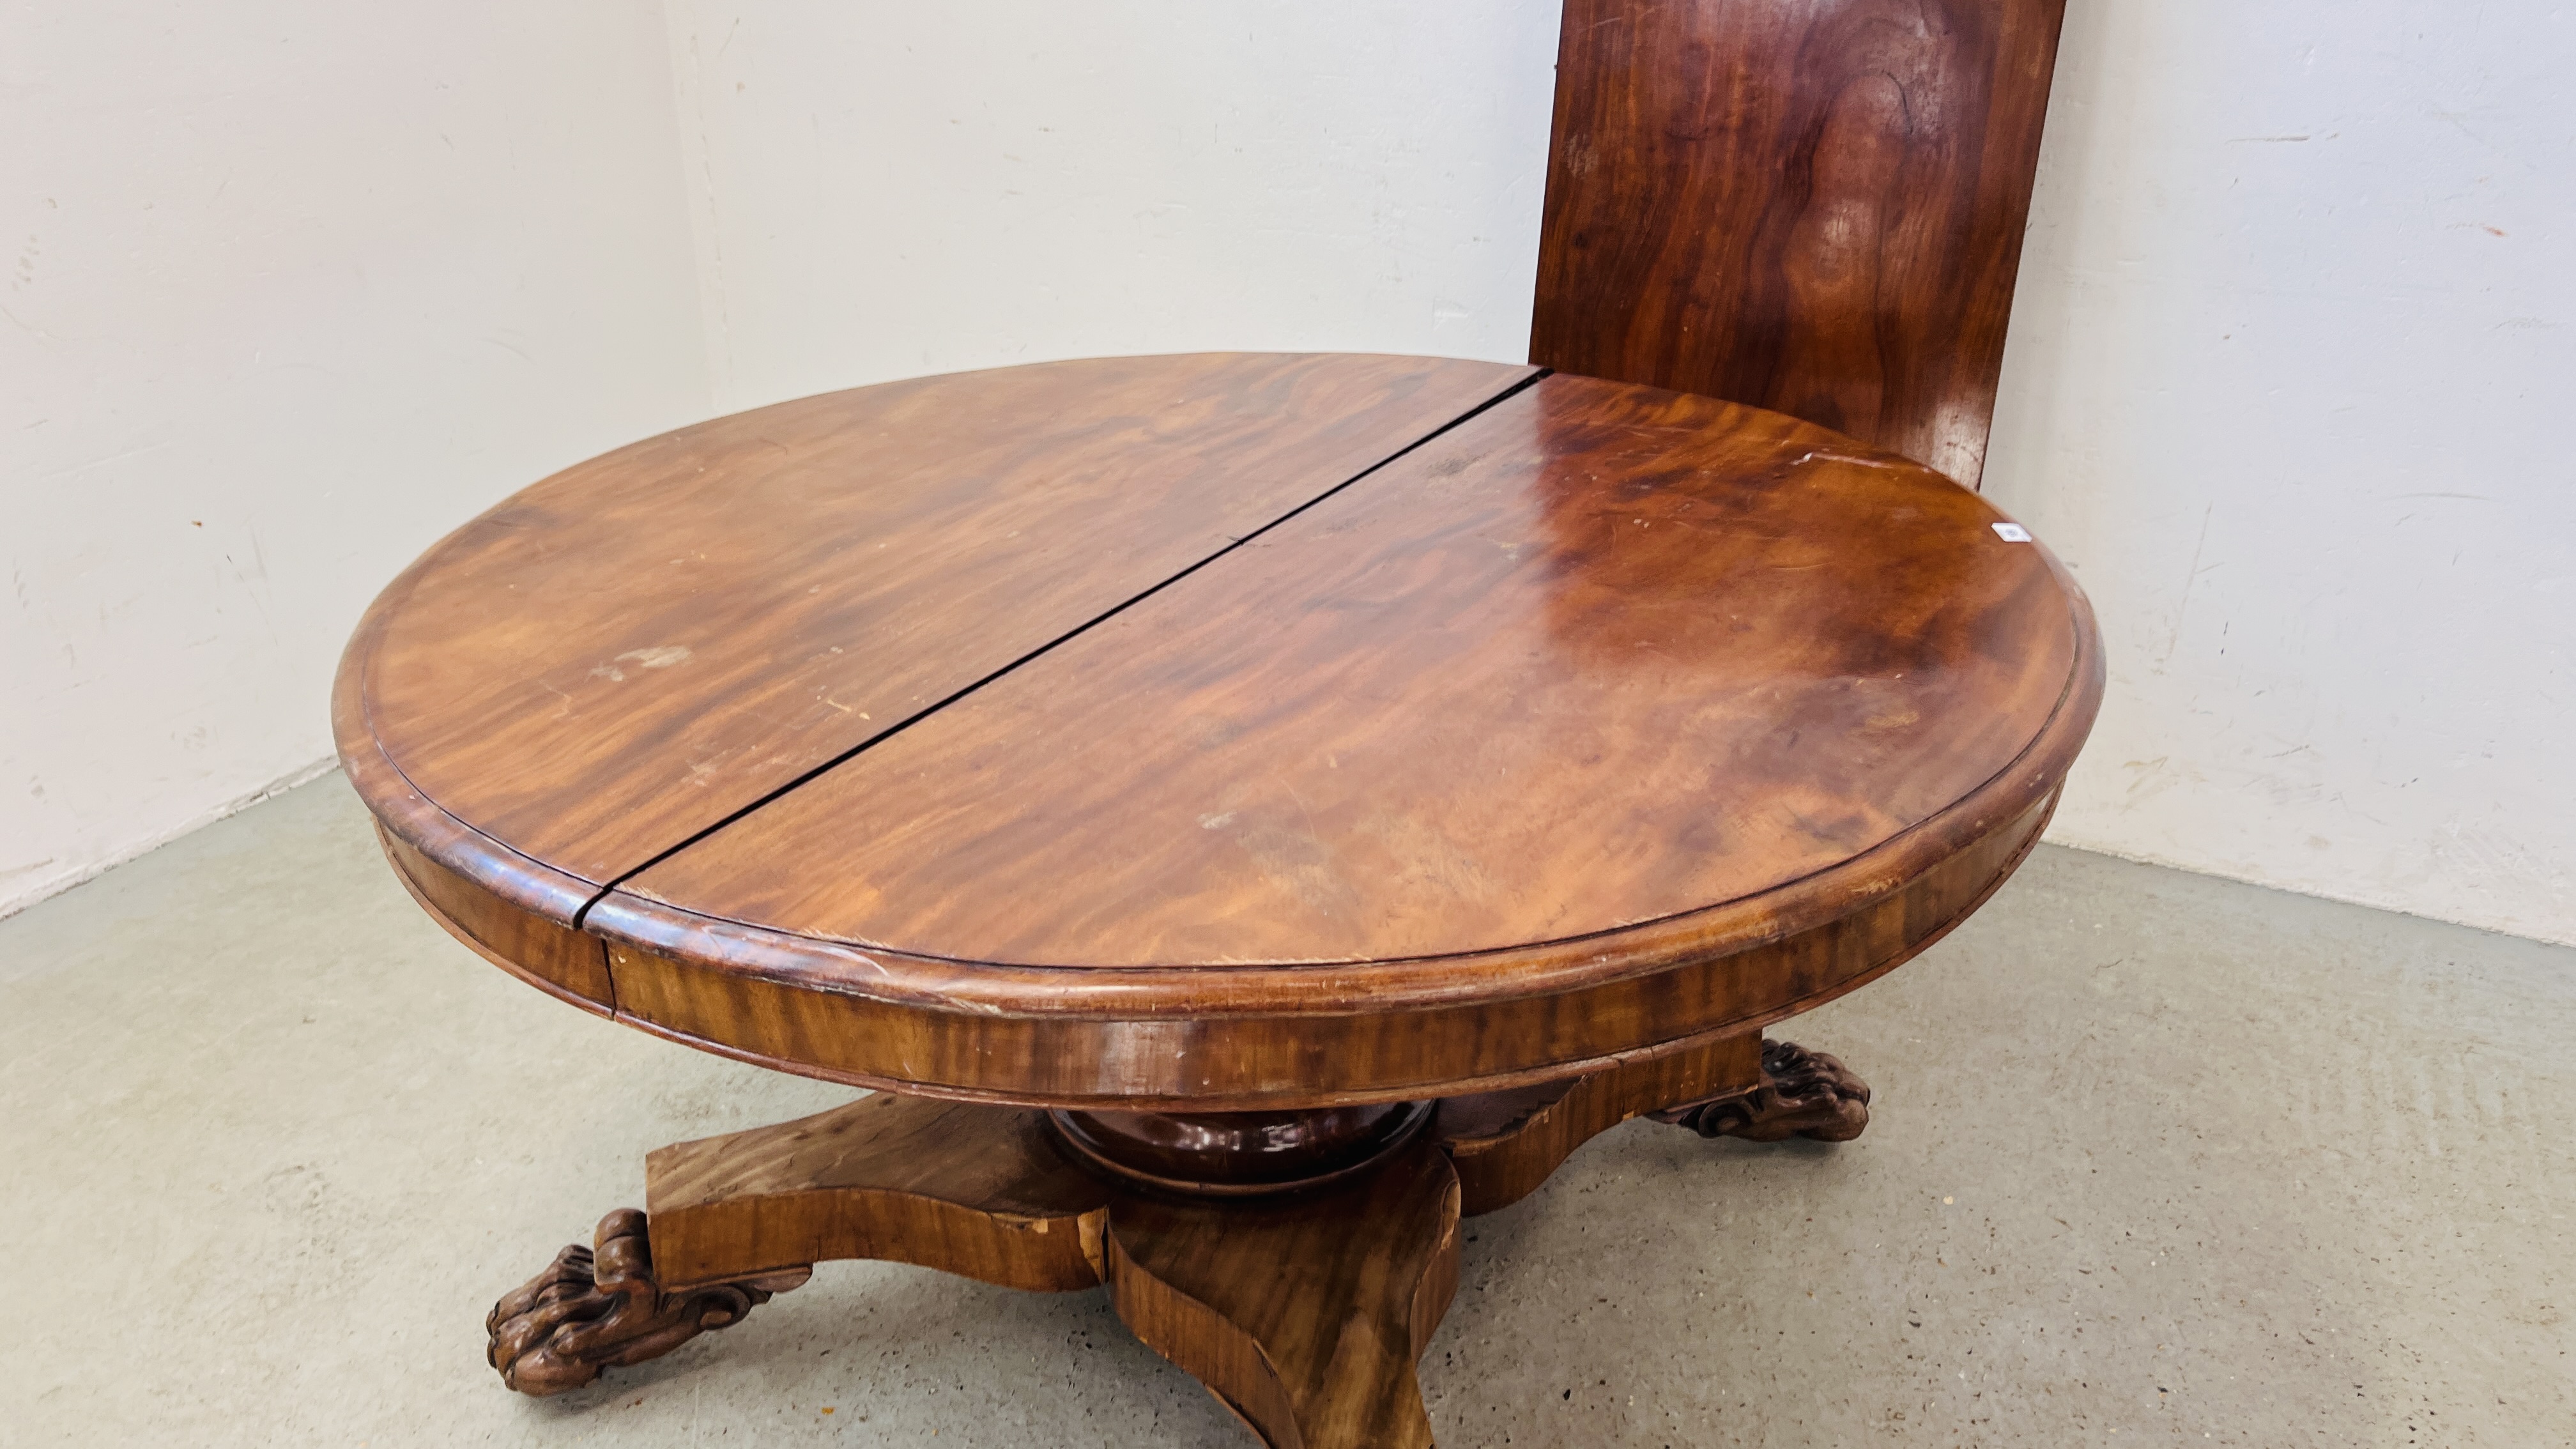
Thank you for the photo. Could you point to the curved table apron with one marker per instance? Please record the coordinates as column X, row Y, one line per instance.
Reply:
column 1291, row 736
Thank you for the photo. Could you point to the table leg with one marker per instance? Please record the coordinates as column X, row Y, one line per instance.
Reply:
column 1506, row 1144
column 986, row 1192
column 1801, row 1094
column 1303, row 1314
column 1303, row 1311
column 601, row 1307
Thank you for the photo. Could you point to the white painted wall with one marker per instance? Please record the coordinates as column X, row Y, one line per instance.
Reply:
column 889, row 190
column 2290, row 406
column 2290, row 384
column 287, row 289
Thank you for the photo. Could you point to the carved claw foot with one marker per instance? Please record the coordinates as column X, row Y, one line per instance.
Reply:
column 1802, row 1094
column 596, row 1308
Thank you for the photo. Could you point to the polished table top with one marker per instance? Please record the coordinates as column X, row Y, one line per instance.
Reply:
column 1172, row 689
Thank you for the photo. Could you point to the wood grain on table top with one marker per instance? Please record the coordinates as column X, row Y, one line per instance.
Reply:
column 1599, row 656
column 630, row 651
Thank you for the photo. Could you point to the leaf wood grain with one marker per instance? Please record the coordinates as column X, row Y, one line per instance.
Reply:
column 1814, row 206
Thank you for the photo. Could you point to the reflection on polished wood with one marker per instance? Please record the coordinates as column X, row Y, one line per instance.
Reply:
column 1599, row 658
column 1242, row 1154
column 1815, row 206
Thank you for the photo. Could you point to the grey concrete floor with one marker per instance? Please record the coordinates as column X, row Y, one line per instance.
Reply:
column 2155, row 1158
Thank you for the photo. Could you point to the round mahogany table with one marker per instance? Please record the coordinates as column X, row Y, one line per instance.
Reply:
column 1240, row 812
